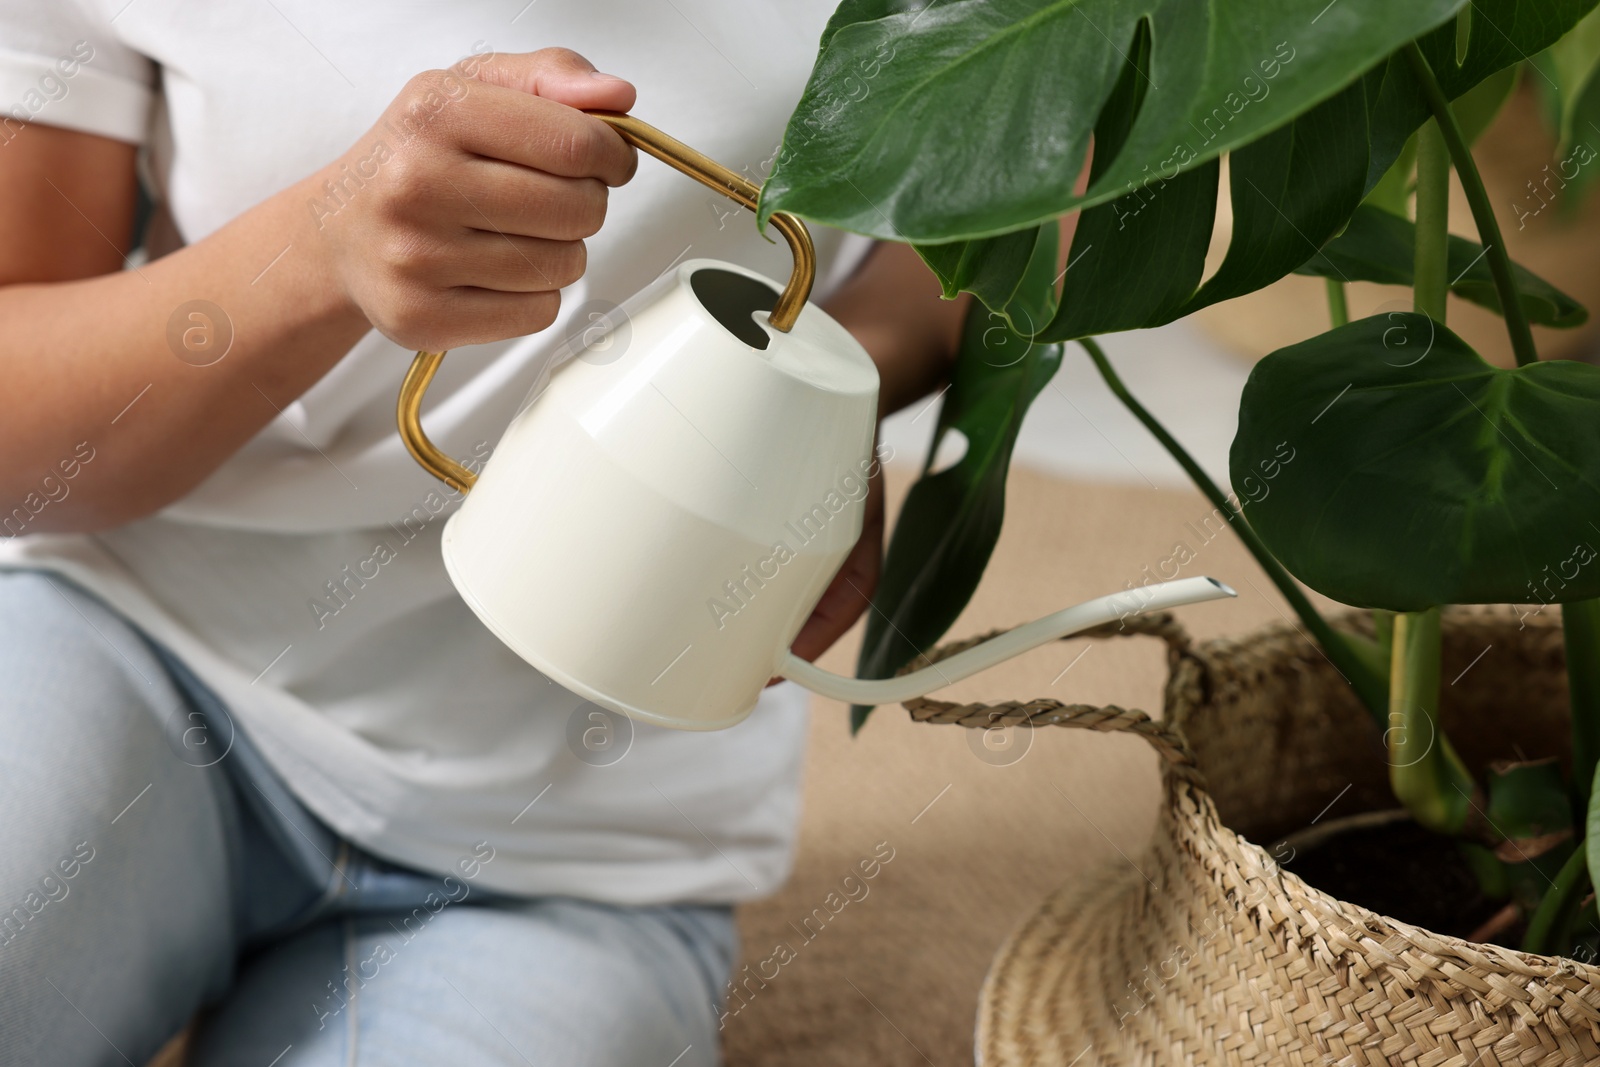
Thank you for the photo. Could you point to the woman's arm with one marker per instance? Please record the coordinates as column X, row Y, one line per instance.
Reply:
column 893, row 307
column 463, row 234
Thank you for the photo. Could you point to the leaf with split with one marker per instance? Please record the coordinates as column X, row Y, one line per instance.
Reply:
column 971, row 118
column 955, row 123
column 950, row 521
column 1135, row 260
column 1379, row 247
column 1425, row 476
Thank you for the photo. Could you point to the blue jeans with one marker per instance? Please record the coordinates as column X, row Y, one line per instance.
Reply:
column 151, row 865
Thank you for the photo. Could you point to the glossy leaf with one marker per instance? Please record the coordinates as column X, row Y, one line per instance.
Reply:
column 991, row 269
column 917, row 154
column 1423, row 475
column 1157, row 234
column 950, row 521
column 1291, row 191
column 971, row 118
column 1377, row 247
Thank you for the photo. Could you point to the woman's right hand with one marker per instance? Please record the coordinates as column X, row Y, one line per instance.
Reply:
column 460, row 215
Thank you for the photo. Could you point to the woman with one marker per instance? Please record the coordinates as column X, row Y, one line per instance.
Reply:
column 255, row 754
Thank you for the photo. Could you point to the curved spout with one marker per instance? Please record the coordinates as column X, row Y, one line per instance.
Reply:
column 997, row 650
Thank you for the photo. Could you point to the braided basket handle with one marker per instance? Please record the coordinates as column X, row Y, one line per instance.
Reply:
column 1169, row 743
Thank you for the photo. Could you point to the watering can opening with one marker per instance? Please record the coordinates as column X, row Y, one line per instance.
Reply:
column 733, row 299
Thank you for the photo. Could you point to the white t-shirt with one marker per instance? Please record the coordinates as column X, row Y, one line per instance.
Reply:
column 391, row 712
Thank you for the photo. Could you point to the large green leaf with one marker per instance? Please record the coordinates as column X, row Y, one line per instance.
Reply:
column 1378, row 247
column 1423, row 475
column 1158, row 234
column 898, row 135
column 1291, row 191
column 950, row 520
column 970, row 118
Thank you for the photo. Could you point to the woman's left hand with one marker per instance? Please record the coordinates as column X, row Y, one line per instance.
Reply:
column 850, row 592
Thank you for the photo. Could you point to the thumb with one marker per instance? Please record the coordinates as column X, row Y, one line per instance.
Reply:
column 558, row 74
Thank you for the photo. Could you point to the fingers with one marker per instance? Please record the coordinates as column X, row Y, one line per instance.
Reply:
column 434, row 320
column 512, row 264
column 531, row 131
column 465, row 210
column 558, row 74
column 511, row 199
column 850, row 593
column 845, row 600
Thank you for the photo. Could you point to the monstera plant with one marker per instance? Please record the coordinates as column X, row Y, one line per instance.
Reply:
column 1423, row 475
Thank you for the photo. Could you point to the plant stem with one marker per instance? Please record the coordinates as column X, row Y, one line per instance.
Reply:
column 1368, row 684
column 1558, row 900
column 1426, row 774
column 1482, row 213
column 1338, row 308
column 1424, row 771
column 1430, row 275
column 1580, row 624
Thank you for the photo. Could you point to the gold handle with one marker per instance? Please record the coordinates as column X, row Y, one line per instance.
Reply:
column 709, row 172
column 701, row 168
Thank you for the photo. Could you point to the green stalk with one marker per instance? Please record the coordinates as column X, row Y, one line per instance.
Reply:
column 1424, row 771
column 1338, row 308
column 1482, row 212
column 1580, row 624
column 1339, row 647
column 1430, row 276
column 1561, row 898
column 1427, row 776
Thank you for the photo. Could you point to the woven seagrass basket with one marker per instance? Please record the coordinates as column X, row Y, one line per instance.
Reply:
column 1202, row 950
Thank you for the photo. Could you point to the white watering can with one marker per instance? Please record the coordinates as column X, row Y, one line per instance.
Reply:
column 655, row 529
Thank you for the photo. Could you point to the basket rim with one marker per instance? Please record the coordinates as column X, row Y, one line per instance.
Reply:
column 1346, row 931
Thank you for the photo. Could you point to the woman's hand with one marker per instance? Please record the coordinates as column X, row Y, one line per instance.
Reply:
column 457, row 218
column 850, row 592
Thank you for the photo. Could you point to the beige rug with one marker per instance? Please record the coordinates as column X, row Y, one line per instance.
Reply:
column 845, row 969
